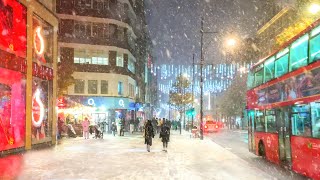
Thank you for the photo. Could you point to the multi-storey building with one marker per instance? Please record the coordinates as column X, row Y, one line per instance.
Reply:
column 282, row 21
column 107, row 42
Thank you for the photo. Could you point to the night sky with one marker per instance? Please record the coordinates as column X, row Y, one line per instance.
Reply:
column 174, row 26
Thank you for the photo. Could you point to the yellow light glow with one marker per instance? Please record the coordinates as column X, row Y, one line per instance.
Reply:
column 314, row 8
column 231, row 42
column 41, row 40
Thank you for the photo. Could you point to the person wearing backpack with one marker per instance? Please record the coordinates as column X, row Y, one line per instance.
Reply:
column 165, row 135
column 148, row 134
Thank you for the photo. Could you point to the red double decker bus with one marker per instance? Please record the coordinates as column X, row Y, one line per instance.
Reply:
column 283, row 104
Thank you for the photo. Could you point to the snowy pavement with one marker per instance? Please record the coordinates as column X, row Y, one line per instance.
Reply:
column 126, row 158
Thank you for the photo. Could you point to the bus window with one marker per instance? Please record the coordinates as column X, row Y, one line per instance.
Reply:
column 315, row 118
column 301, row 122
column 281, row 65
column 270, row 120
column 269, row 69
column 250, row 81
column 260, row 122
column 315, row 48
column 299, row 53
column 258, row 77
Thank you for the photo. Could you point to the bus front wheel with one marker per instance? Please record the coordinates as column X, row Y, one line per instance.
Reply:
column 262, row 151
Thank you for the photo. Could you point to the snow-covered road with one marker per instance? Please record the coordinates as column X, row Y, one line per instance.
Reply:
column 127, row 158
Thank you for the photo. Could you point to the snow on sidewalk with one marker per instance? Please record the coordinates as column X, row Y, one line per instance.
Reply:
column 127, row 158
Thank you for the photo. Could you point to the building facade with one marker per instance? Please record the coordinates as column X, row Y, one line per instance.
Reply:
column 107, row 43
column 28, row 51
column 282, row 21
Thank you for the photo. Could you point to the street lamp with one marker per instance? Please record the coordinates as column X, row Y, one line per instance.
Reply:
column 231, row 42
column 314, row 8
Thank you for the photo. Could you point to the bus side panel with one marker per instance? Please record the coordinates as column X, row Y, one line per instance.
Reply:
column 271, row 145
column 306, row 156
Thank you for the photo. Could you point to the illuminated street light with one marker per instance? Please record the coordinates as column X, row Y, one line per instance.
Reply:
column 314, row 8
column 231, row 42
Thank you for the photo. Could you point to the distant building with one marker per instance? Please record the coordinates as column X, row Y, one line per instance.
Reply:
column 108, row 44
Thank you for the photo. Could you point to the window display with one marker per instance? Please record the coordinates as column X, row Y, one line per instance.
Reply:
column 42, row 81
column 12, row 79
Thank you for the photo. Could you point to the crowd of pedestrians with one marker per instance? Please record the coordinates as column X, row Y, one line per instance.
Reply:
column 149, row 128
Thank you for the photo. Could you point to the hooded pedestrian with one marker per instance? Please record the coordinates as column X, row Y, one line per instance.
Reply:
column 165, row 135
column 148, row 134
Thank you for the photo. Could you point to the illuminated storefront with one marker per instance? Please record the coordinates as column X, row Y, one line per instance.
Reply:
column 27, row 119
column 98, row 109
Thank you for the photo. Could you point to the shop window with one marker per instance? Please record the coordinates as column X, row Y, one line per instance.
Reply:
column 250, row 80
column 104, row 87
column 270, row 120
column 43, row 41
column 260, row 121
column 258, row 77
column 119, row 59
column 269, row 69
column 79, row 86
column 281, row 65
column 315, row 48
column 120, row 88
column 41, row 121
column 299, row 53
column 301, row 121
column 92, row 87
column 315, row 118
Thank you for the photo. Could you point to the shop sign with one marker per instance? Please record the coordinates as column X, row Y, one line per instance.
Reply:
column 106, row 102
column 42, row 72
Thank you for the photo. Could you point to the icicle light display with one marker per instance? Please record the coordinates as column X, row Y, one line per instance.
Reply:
column 217, row 78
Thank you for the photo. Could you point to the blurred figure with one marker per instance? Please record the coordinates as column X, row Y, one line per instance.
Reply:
column 165, row 135
column 113, row 129
column 148, row 134
column 60, row 127
column 85, row 128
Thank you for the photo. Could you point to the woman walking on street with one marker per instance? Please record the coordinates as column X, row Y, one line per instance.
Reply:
column 165, row 135
column 85, row 128
column 148, row 134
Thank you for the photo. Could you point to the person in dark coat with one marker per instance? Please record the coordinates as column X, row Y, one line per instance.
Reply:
column 113, row 129
column 165, row 135
column 148, row 134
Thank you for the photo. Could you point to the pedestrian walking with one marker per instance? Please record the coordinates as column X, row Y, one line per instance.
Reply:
column 85, row 128
column 165, row 135
column 113, row 129
column 148, row 134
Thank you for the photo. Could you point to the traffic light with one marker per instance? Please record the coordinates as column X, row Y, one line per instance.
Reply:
column 191, row 112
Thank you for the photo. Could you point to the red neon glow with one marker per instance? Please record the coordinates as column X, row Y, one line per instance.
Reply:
column 38, row 36
column 37, row 109
column 13, row 27
column 12, row 128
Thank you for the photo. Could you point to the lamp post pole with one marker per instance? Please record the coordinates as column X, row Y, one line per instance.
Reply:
column 192, row 90
column 201, row 82
column 201, row 78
